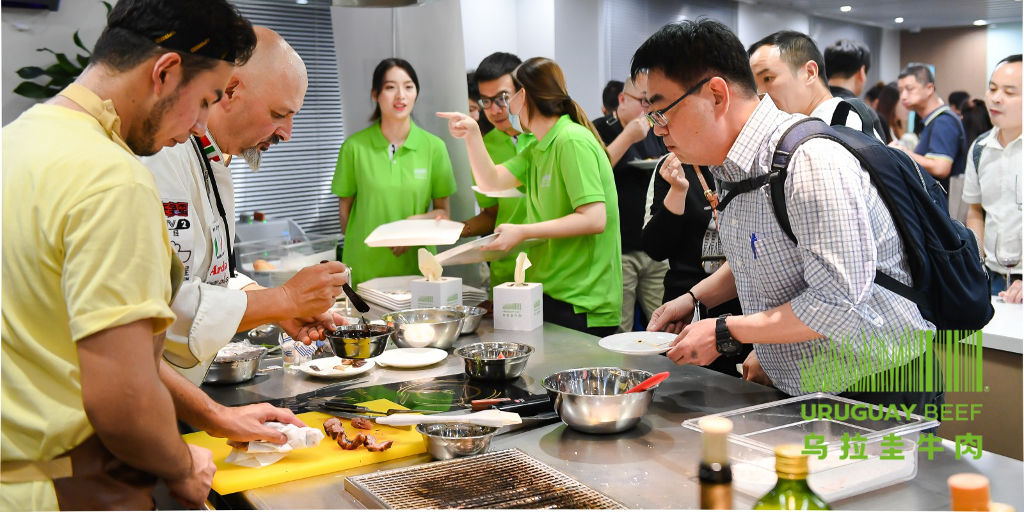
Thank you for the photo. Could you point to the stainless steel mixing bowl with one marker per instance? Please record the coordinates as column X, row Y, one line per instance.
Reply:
column 450, row 440
column 471, row 316
column 495, row 361
column 594, row 400
column 429, row 327
column 235, row 371
column 359, row 341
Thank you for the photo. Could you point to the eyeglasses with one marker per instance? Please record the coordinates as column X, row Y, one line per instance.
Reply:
column 657, row 118
column 500, row 100
column 644, row 102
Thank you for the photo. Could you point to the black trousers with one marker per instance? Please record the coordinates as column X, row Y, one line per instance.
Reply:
column 918, row 399
column 561, row 313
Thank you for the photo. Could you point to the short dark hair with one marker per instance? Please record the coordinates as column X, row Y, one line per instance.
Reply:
column 687, row 51
column 795, row 48
column 957, row 98
column 845, row 57
column 378, row 78
column 873, row 93
column 496, row 65
column 610, row 94
column 471, row 85
column 921, row 72
column 1010, row 59
column 202, row 32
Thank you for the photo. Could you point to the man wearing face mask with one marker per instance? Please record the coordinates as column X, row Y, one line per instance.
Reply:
column 215, row 302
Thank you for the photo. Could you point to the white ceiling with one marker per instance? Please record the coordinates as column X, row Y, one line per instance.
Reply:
column 917, row 14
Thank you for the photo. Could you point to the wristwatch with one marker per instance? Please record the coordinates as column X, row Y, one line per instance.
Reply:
column 727, row 345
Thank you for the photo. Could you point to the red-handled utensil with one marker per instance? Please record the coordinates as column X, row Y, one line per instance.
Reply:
column 649, row 383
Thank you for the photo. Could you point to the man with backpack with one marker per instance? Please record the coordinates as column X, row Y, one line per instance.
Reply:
column 942, row 148
column 788, row 67
column 800, row 299
column 847, row 63
column 994, row 179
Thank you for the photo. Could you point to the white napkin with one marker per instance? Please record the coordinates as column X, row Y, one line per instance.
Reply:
column 429, row 266
column 522, row 263
column 261, row 453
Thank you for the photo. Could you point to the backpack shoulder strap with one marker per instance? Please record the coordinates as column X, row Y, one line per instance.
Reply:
column 978, row 148
column 842, row 112
column 800, row 132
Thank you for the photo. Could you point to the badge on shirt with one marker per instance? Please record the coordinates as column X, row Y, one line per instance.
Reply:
column 420, row 174
column 179, row 225
column 545, row 181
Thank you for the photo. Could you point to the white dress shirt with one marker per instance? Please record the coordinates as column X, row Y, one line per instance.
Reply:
column 997, row 185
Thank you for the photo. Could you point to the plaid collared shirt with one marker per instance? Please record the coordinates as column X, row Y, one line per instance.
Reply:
column 845, row 233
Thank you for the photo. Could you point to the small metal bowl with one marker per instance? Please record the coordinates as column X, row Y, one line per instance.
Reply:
column 594, row 400
column 471, row 316
column 430, row 327
column 359, row 341
column 450, row 440
column 235, row 371
column 495, row 361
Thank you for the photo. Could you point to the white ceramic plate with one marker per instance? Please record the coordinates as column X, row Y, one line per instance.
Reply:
column 638, row 343
column 411, row 357
column 327, row 368
column 645, row 164
column 511, row 192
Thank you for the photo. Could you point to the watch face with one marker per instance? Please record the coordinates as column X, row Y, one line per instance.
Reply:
column 729, row 346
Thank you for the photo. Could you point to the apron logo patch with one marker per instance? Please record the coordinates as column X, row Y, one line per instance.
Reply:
column 176, row 209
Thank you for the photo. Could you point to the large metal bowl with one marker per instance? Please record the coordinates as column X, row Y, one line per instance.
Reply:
column 594, row 400
column 235, row 371
column 495, row 361
column 359, row 341
column 471, row 316
column 450, row 440
column 429, row 327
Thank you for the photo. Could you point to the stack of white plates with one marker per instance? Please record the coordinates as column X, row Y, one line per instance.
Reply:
column 392, row 293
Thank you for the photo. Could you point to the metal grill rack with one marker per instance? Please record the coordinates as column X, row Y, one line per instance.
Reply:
column 496, row 480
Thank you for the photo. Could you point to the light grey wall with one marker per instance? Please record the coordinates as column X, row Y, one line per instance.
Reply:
column 579, row 53
column 24, row 30
column 756, row 21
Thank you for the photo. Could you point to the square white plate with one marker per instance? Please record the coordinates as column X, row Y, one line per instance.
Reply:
column 413, row 232
column 511, row 192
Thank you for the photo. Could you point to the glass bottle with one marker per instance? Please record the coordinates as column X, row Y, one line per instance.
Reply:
column 714, row 474
column 791, row 492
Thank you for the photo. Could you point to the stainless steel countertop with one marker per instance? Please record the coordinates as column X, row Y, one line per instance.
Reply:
column 653, row 466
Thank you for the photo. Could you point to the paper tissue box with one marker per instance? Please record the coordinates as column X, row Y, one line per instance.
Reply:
column 518, row 307
column 434, row 294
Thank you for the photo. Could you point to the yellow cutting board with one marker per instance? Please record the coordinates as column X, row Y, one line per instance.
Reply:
column 328, row 457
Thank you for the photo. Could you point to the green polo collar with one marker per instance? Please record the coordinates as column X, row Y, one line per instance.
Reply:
column 558, row 127
column 412, row 141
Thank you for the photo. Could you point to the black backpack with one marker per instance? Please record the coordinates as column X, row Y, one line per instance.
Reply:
column 951, row 285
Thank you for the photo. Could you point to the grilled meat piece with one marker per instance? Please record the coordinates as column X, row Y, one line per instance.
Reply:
column 333, row 427
column 362, row 423
column 350, row 444
column 373, row 446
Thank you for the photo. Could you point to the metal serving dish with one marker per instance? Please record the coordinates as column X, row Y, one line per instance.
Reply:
column 359, row 341
column 450, row 440
column 429, row 327
column 471, row 316
column 236, row 370
column 594, row 400
column 496, row 360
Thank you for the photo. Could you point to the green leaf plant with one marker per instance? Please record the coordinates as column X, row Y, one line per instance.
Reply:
column 56, row 76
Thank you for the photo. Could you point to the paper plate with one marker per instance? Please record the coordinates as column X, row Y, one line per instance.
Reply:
column 638, row 343
column 327, row 368
column 511, row 192
column 411, row 357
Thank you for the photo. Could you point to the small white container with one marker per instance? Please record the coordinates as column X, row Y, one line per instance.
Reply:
column 518, row 307
column 436, row 294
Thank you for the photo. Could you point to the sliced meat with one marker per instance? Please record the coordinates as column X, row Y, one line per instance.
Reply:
column 348, row 362
column 373, row 446
column 358, row 363
column 362, row 423
column 333, row 427
column 350, row 444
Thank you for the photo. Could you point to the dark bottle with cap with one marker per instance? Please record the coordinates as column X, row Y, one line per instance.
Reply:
column 791, row 492
column 715, row 475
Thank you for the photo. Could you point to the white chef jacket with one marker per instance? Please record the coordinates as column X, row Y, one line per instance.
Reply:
column 210, row 305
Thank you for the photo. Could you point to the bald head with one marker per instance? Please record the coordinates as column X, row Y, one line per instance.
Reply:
column 261, row 99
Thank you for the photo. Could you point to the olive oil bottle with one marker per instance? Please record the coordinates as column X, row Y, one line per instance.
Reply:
column 715, row 475
column 791, row 492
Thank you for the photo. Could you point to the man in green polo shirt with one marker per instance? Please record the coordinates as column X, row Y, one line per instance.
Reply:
column 494, row 80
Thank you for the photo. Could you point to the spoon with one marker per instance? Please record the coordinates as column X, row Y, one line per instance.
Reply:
column 649, row 383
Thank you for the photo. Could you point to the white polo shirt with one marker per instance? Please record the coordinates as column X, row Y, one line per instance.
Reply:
column 997, row 185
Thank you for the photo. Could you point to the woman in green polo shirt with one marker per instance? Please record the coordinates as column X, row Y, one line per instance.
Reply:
column 390, row 171
column 570, row 199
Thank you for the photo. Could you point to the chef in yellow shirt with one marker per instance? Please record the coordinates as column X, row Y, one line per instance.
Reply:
column 87, row 269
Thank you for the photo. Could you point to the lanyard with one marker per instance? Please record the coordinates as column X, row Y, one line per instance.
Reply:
column 212, row 181
column 711, row 197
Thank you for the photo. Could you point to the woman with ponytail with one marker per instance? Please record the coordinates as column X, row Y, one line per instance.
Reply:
column 571, row 201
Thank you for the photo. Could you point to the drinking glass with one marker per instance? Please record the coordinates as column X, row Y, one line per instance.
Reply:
column 1008, row 252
